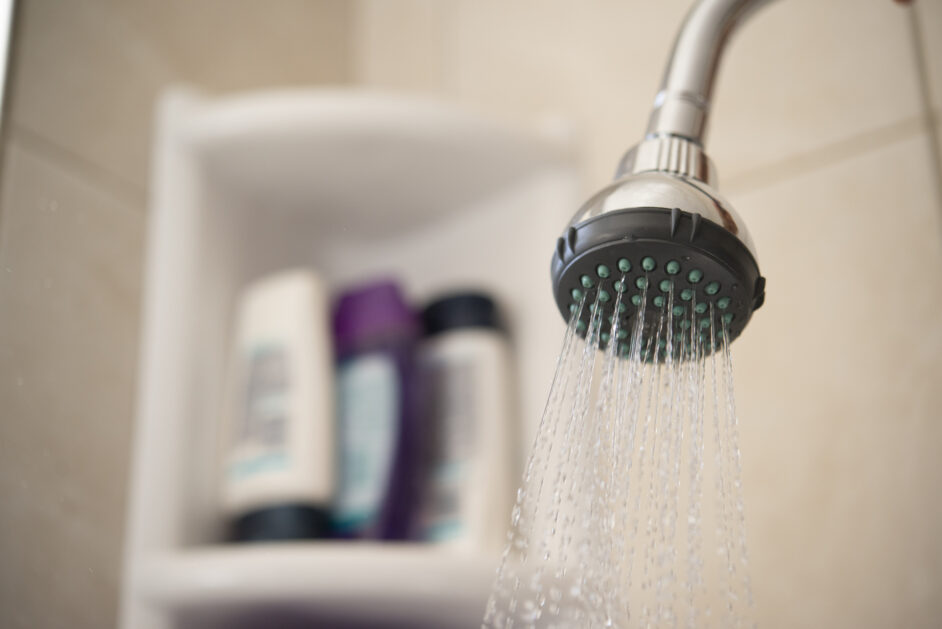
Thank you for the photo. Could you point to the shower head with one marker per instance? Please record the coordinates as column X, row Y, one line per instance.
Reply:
column 661, row 238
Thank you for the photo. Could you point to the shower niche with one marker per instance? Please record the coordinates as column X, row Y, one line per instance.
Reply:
column 357, row 185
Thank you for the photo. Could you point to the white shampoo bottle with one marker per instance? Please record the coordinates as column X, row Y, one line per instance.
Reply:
column 465, row 364
column 279, row 462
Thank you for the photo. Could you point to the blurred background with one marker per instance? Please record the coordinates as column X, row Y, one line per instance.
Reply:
column 826, row 137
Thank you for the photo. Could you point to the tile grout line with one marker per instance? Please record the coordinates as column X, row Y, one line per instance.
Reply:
column 121, row 189
column 929, row 117
column 824, row 156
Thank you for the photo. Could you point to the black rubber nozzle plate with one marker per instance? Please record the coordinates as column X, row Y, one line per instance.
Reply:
column 707, row 268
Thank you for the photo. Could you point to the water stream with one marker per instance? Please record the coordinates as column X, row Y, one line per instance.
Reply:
column 630, row 512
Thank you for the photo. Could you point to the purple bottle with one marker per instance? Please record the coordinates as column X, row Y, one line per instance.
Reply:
column 375, row 333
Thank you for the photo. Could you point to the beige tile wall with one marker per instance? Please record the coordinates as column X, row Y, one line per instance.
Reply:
column 820, row 139
column 70, row 258
column 85, row 74
column 599, row 62
column 929, row 19
column 928, row 30
column 838, row 387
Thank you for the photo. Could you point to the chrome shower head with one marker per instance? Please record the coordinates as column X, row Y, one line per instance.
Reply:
column 661, row 235
column 664, row 236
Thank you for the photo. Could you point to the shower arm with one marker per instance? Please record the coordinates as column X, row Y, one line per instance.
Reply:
column 683, row 101
column 674, row 140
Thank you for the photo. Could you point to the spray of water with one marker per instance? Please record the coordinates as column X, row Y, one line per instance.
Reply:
column 611, row 526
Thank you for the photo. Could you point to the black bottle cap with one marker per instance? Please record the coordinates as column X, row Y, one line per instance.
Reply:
column 282, row 523
column 463, row 310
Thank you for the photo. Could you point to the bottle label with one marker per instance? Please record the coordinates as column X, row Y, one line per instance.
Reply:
column 452, row 409
column 262, row 429
column 369, row 399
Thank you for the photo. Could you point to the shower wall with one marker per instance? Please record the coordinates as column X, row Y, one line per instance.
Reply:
column 824, row 141
column 85, row 74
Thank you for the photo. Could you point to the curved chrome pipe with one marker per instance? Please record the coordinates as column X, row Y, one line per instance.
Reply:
column 683, row 102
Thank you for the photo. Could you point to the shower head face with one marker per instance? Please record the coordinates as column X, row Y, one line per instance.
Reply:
column 693, row 262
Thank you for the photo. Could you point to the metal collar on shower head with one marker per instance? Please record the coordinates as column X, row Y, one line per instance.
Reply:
column 661, row 233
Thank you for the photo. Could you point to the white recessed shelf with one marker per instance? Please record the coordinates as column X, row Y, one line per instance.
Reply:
column 357, row 185
column 368, row 583
column 361, row 161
